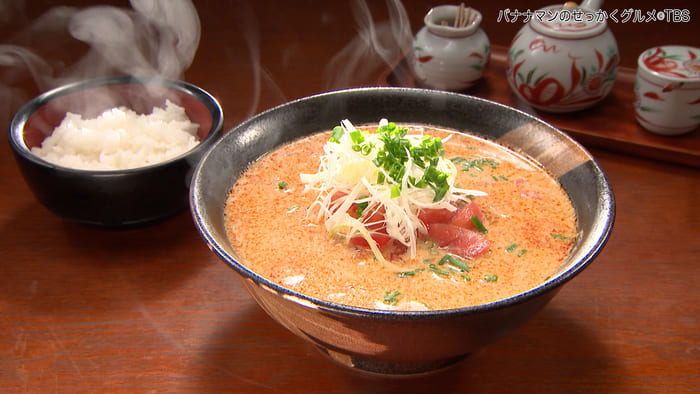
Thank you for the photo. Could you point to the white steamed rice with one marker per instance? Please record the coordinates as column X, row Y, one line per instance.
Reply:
column 120, row 138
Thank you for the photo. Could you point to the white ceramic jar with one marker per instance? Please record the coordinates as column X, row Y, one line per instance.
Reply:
column 667, row 89
column 447, row 57
column 564, row 59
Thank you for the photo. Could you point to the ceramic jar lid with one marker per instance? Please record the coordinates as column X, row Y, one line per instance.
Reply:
column 564, row 21
column 672, row 62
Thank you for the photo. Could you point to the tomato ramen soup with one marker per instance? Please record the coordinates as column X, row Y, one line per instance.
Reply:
column 401, row 217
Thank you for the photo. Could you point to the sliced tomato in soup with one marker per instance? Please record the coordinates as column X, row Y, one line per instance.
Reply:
column 375, row 224
column 382, row 240
column 463, row 217
column 430, row 216
column 458, row 240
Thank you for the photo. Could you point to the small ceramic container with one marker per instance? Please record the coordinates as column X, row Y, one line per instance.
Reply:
column 564, row 59
column 446, row 57
column 667, row 89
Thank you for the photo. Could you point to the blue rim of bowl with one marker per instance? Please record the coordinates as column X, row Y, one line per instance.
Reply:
column 607, row 203
column 16, row 135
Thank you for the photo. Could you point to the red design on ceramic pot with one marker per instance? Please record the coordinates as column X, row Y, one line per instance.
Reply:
column 653, row 96
column 659, row 62
column 585, row 85
column 673, row 63
column 667, row 89
column 561, row 66
column 539, row 43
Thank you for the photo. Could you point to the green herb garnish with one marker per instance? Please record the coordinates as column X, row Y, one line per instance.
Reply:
column 391, row 297
column 455, row 262
column 478, row 225
column 397, row 151
column 478, row 164
column 361, row 206
column 395, row 191
column 356, row 137
column 434, row 269
column 336, row 134
column 561, row 237
column 408, row 274
column 281, row 185
column 490, row 277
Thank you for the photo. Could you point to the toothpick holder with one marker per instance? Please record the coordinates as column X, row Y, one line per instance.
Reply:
column 451, row 51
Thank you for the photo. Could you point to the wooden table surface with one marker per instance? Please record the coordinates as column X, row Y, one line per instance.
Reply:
column 152, row 309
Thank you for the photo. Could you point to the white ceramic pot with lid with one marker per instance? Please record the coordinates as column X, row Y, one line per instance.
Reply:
column 451, row 51
column 667, row 89
column 564, row 59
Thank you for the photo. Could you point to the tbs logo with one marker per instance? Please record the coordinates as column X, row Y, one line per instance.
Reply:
column 675, row 15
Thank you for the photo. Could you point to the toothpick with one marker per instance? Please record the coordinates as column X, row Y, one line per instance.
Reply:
column 468, row 17
column 458, row 17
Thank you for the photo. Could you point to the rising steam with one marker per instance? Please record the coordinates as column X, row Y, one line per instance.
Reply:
column 154, row 37
column 378, row 44
column 161, row 37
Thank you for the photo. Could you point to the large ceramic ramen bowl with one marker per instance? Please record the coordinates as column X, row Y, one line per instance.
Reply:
column 390, row 342
column 112, row 198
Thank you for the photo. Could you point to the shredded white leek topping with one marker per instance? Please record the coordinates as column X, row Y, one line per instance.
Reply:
column 358, row 168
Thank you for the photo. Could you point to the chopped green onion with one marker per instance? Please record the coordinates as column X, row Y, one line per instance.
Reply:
column 438, row 271
column 408, row 274
column 490, row 277
column 395, row 191
column 454, row 261
column 477, row 223
column 281, row 184
column 391, row 297
column 561, row 237
column 522, row 252
column 467, row 278
column 336, row 134
column 380, row 178
column 441, row 191
column 511, row 247
column 361, row 206
column 357, row 137
column 477, row 164
column 397, row 150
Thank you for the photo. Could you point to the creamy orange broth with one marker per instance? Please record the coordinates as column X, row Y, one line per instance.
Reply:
column 530, row 220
